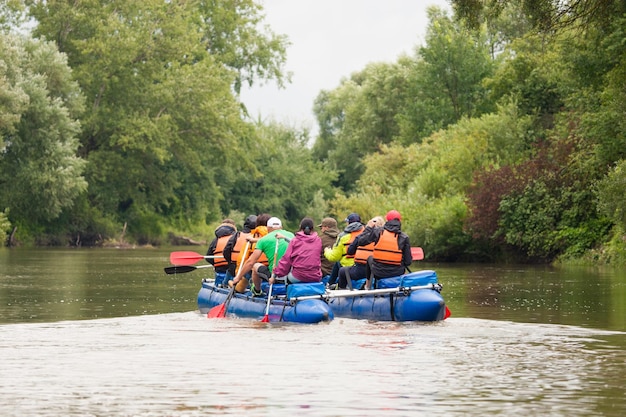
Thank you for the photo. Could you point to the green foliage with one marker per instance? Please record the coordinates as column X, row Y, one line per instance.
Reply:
column 437, row 226
column 614, row 251
column 232, row 33
column 147, row 227
column 38, row 161
column 11, row 14
column 358, row 117
column 288, row 182
column 529, row 220
column 544, row 15
column 5, row 226
column 611, row 195
column 495, row 143
column 164, row 125
column 445, row 80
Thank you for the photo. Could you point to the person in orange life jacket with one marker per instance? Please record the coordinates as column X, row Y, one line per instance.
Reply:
column 270, row 247
column 223, row 232
column 237, row 244
column 328, row 234
column 301, row 261
column 257, row 233
column 338, row 252
column 392, row 248
column 361, row 254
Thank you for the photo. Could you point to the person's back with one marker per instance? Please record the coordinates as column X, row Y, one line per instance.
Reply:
column 268, row 247
column 361, row 254
column 328, row 235
column 338, row 253
column 223, row 234
column 301, row 262
column 392, row 249
column 235, row 250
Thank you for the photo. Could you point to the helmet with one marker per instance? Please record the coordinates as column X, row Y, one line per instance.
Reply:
column 250, row 222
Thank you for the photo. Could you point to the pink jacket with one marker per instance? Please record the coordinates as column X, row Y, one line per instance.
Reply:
column 302, row 258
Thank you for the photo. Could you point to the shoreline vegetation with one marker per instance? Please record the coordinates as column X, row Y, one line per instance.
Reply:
column 500, row 137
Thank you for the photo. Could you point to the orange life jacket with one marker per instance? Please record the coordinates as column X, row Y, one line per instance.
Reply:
column 386, row 250
column 353, row 236
column 259, row 232
column 363, row 252
column 238, row 248
column 219, row 250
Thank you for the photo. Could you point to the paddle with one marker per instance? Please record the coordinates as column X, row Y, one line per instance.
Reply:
column 219, row 311
column 417, row 253
column 184, row 268
column 266, row 317
column 189, row 258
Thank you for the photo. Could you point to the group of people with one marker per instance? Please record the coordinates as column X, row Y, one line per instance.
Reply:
column 264, row 251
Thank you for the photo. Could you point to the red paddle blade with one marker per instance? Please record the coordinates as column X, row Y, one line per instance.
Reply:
column 266, row 319
column 417, row 253
column 185, row 258
column 447, row 313
column 217, row 312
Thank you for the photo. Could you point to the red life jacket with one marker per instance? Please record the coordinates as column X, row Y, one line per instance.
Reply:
column 363, row 252
column 387, row 250
column 219, row 250
column 353, row 236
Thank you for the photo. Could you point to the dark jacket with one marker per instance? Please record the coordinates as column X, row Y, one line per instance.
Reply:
column 371, row 234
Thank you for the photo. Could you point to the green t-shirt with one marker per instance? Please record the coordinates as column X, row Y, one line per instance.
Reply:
column 267, row 245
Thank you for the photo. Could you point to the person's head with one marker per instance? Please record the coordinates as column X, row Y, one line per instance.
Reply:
column 250, row 222
column 228, row 221
column 274, row 223
column 377, row 221
column 306, row 225
column 328, row 223
column 393, row 215
column 261, row 219
column 352, row 218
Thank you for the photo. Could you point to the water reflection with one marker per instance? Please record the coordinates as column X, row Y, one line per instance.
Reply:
column 537, row 294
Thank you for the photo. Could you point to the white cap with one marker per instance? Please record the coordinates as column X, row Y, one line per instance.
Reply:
column 274, row 222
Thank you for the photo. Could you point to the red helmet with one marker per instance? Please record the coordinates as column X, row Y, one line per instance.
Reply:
column 393, row 214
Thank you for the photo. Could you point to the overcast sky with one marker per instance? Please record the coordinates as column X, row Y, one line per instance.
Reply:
column 331, row 39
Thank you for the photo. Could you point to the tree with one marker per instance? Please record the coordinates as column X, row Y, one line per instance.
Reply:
column 39, row 127
column 445, row 81
column 289, row 182
column 232, row 35
column 545, row 15
column 164, row 127
column 358, row 117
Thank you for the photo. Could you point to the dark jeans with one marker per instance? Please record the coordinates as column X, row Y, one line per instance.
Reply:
column 357, row 271
column 334, row 274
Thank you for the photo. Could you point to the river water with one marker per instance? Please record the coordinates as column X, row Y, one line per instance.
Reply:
column 103, row 332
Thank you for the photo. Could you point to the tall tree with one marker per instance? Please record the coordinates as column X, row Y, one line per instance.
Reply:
column 163, row 125
column 40, row 174
column 446, row 78
column 359, row 116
